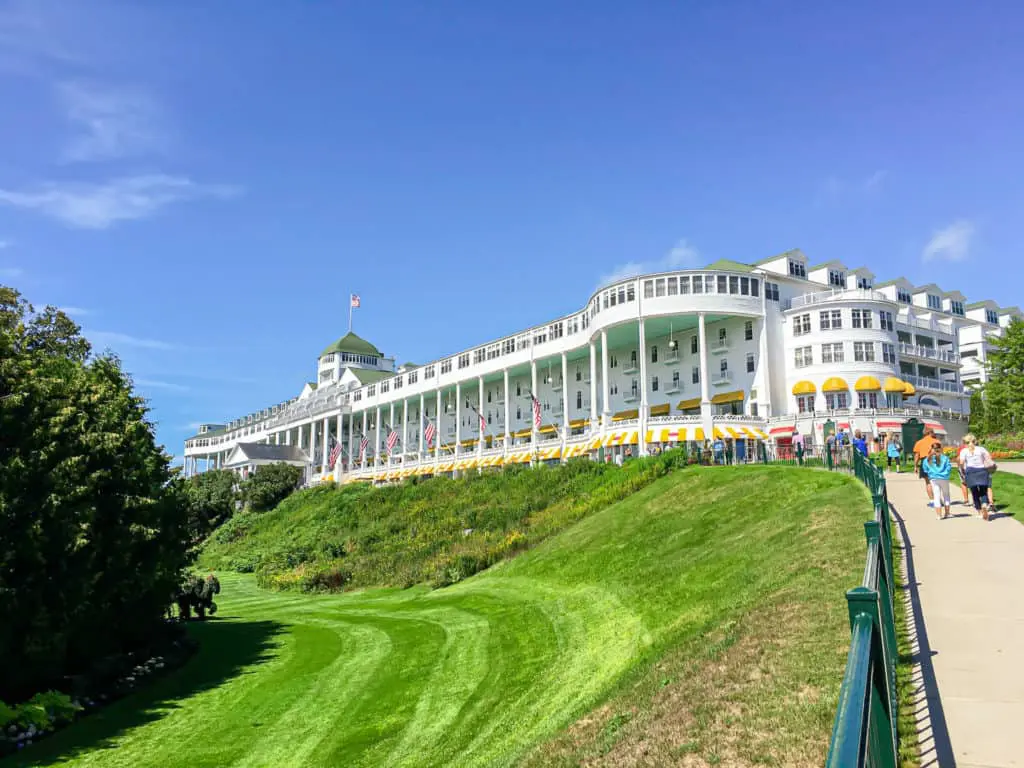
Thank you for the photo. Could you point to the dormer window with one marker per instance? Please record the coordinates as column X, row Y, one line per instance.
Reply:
column 837, row 278
column 957, row 308
column 797, row 269
column 863, row 283
column 934, row 301
column 903, row 295
column 991, row 317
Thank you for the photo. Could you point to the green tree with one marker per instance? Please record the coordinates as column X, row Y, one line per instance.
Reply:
column 269, row 485
column 94, row 535
column 1004, row 392
column 212, row 498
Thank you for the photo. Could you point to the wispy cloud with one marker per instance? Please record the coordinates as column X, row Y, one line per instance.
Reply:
column 114, row 123
column 98, row 206
column 157, row 384
column 76, row 311
column 11, row 272
column 29, row 38
column 113, row 339
column 953, row 243
column 681, row 256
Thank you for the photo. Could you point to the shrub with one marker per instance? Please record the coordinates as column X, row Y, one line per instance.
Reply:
column 269, row 485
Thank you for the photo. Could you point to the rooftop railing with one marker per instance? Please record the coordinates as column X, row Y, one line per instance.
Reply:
column 838, row 294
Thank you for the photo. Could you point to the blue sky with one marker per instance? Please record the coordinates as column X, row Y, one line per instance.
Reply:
column 202, row 185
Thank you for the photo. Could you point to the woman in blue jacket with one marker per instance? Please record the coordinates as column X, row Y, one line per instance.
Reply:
column 937, row 467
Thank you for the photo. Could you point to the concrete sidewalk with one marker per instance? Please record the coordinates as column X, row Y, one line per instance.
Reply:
column 968, row 606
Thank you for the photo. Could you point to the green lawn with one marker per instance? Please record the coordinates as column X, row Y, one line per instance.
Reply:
column 701, row 618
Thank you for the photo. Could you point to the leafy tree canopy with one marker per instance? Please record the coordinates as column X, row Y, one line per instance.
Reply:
column 1003, row 394
column 269, row 485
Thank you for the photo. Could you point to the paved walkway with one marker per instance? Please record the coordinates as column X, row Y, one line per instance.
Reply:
column 968, row 605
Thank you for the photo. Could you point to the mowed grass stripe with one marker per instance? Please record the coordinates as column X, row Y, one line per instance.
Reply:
column 485, row 672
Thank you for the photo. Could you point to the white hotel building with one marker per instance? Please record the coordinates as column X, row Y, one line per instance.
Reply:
column 737, row 352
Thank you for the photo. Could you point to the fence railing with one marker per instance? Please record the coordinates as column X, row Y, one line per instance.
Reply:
column 864, row 732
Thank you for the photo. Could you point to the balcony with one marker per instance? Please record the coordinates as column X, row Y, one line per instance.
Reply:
column 556, row 386
column 926, row 325
column 719, row 346
column 672, row 388
column 838, row 294
column 720, row 378
column 631, row 397
column 935, row 385
column 671, row 357
column 631, row 367
column 929, row 353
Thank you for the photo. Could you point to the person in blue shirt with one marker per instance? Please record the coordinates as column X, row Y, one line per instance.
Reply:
column 860, row 443
column 893, row 452
column 937, row 467
column 719, row 448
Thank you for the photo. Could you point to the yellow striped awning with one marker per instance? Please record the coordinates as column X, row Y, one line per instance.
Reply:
column 910, row 389
column 698, row 434
column 594, row 443
column 622, row 438
column 754, row 433
column 728, row 397
column 666, row 435
column 551, row 453
column 835, row 384
column 894, row 385
column 686, row 405
column 633, row 413
column 661, row 410
column 572, row 451
column 867, row 384
column 518, row 458
column 426, row 469
column 734, row 433
column 717, row 433
column 804, row 388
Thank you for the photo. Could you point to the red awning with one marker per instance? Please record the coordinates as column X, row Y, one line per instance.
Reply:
column 789, row 430
column 888, row 424
column 939, row 429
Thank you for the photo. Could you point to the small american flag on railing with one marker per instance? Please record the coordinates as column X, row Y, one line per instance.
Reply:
column 363, row 442
column 536, row 410
column 392, row 439
column 332, row 458
column 429, row 431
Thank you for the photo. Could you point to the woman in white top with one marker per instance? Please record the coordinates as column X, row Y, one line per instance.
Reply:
column 976, row 466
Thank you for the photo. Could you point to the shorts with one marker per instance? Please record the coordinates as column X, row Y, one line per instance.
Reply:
column 921, row 473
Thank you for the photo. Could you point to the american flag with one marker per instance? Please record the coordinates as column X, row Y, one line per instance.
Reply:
column 483, row 421
column 363, row 442
column 353, row 301
column 392, row 439
column 536, row 410
column 429, row 431
column 332, row 458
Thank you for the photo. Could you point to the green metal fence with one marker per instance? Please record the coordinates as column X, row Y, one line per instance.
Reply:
column 864, row 733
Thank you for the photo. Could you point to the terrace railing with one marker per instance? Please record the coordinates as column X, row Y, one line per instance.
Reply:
column 864, row 732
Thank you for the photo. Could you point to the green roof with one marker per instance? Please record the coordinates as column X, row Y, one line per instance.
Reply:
column 352, row 344
column 312, row 384
column 784, row 254
column 979, row 304
column 735, row 266
column 367, row 376
column 823, row 264
column 891, row 282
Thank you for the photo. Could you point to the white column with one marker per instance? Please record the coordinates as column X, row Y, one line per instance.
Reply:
column 298, row 438
column 376, row 437
column 480, row 408
column 288, row 436
column 536, row 394
column 705, row 396
column 764, row 387
column 312, row 443
column 362, row 434
column 606, row 411
column 339, row 428
column 508, row 431
column 405, row 427
column 325, row 449
column 458, row 417
column 642, row 433
column 437, row 424
column 391, row 426
column 351, row 440
column 419, row 427
column 565, row 400
column 593, row 387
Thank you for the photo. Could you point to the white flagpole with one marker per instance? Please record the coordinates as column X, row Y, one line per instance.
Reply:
column 350, row 313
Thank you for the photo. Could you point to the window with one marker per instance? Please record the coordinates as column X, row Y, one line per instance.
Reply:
column 956, row 307
column 540, row 338
column 684, row 284
column 398, row 382
column 675, row 379
column 631, row 292
column 622, row 294
column 734, row 284
column 722, row 335
column 832, row 353
column 863, row 283
column 659, row 287
column 555, row 330
column 519, row 389
column 802, row 357
column 755, row 290
column 519, row 412
column 654, row 384
column 771, row 291
column 693, row 345
column 885, row 321
column 508, row 346
column 831, row 320
column 723, row 366
column 579, row 399
column 805, row 403
column 464, row 360
column 797, row 269
column 632, row 358
column 834, row 400
column 648, row 289
column 903, row 295
column 867, row 400
column 801, row 324
column 934, row 301
column 371, row 390
column 673, row 286
column 748, row 330
column 414, row 376
column 613, row 361
column 837, row 278
column 722, row 284
column 750, row 362
column 698, row 284
column 479, row 355
column 654, row 354
column 889, row 353
column 863, row 352
column 991, row 317
column 696, row 374
column 745, row 286
column 385, row 386
column 861, row 318
column 634, row 388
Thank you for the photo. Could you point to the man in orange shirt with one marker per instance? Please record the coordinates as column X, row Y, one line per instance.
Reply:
column 922, row 448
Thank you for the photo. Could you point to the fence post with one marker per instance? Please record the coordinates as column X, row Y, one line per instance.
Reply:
column 864, row 601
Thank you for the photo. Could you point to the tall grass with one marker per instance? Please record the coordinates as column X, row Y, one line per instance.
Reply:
column 438, row 531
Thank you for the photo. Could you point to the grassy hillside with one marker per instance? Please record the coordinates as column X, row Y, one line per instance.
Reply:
column 439, row 531
column 699, row 622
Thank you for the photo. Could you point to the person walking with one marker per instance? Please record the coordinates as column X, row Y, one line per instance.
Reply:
column 860, row 444
column 938, row 467
column 976, row 465
column 964, row 490
column 922, row 450
column 893, row 452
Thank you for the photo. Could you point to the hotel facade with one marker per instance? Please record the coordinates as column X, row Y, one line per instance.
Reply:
column 735, row 352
